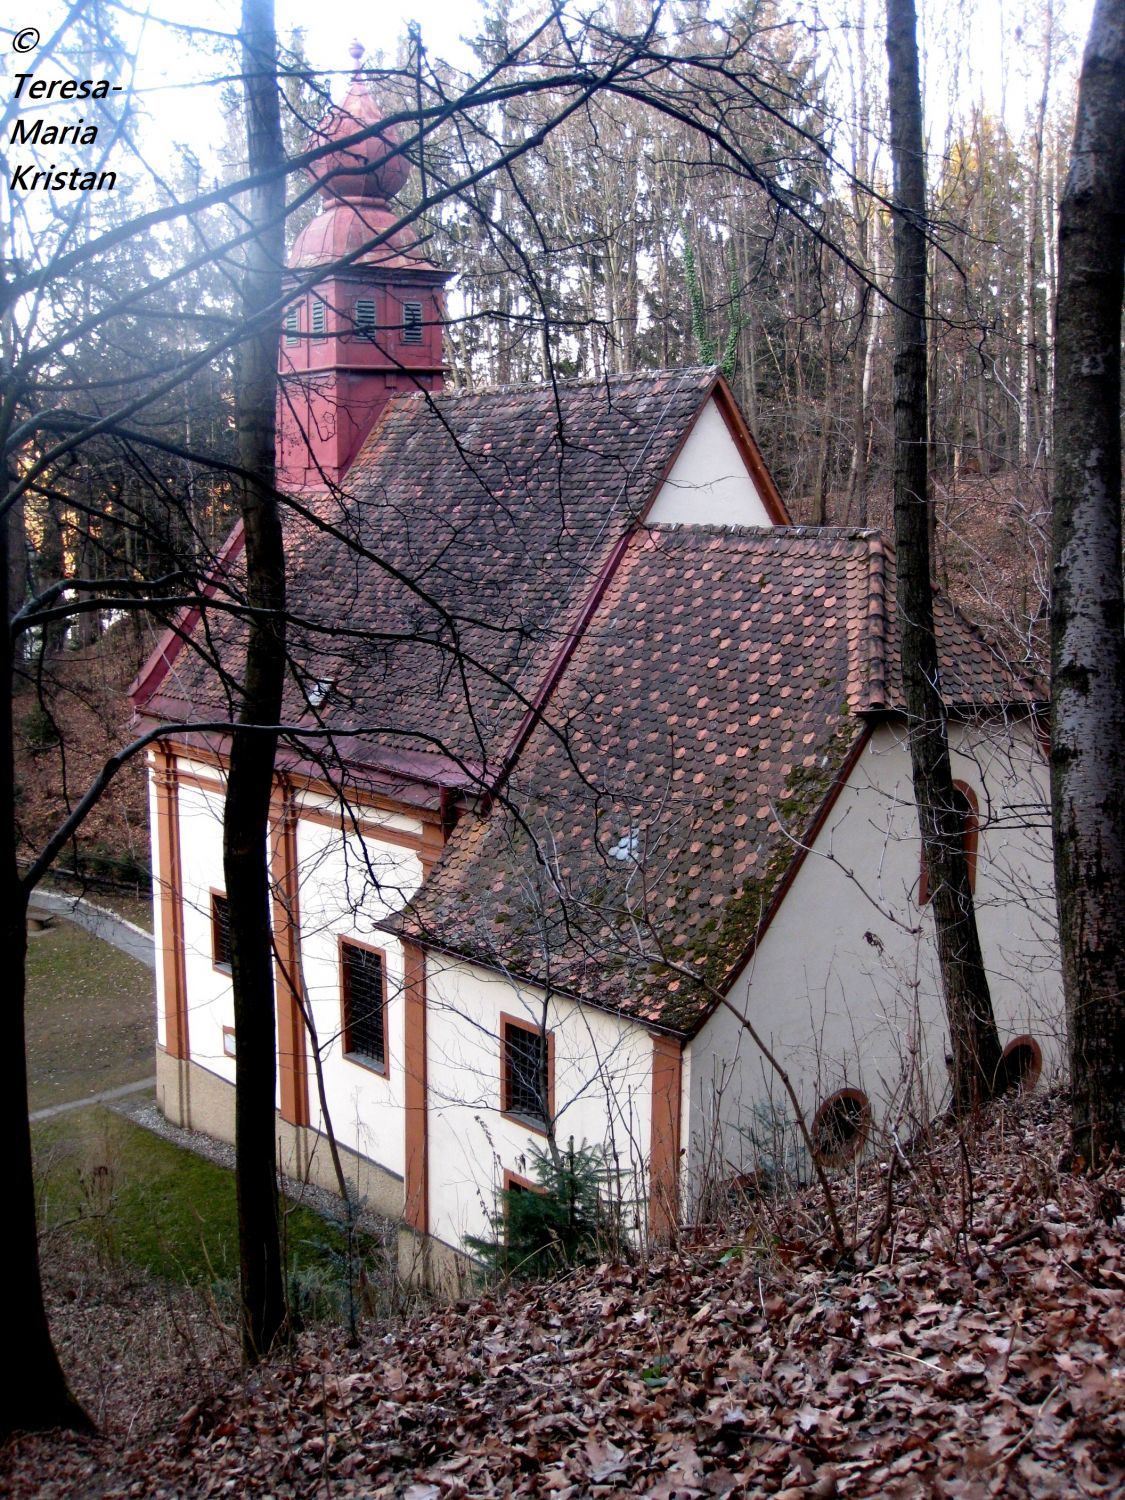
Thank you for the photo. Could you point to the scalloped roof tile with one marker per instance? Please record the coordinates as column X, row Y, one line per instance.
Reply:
column 713, row 690
column 456, row 565
column 701, row 723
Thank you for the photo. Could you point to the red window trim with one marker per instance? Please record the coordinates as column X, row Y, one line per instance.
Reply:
column 361, row 1059
column 1036, row 1068
column 520, row 1024
column 522, row 1184
column 969, row 841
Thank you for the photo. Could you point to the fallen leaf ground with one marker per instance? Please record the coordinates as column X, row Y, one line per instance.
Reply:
column 85, row 693
column 974, row 1347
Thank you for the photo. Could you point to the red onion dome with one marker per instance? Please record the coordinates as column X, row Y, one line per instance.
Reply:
column 367, row 169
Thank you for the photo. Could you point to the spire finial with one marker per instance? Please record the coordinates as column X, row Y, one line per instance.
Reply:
column 355, row 52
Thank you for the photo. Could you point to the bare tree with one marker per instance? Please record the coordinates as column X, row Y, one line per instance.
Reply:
column 246, row 809
column 707, row 92
column 972, row 1026
column 1087, row 607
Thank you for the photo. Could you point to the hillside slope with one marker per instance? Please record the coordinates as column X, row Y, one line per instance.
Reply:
column 980, row 1352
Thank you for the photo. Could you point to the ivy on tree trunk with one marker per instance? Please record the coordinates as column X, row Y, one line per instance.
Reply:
column 972, row 1027
column 1087, row 607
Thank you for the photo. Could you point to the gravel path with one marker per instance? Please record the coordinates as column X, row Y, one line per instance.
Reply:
column 107, row 1096
column 104, row 924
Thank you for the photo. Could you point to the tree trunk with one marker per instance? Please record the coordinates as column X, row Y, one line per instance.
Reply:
column 972, row 1027
column 250, row 781
column 37, row 1397
column 1087, row 611
column 1031, row 397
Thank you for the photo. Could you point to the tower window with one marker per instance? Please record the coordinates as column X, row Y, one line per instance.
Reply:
column 319, row 320
column 293, row 324
column 411, row 322
column 365, row 315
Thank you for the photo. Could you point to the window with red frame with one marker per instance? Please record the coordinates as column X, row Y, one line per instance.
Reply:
column 363, row 987
column 220, row 931
column 525, row 1082
column 968, row 810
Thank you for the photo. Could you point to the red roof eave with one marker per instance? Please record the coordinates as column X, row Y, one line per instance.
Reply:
column 146, row 684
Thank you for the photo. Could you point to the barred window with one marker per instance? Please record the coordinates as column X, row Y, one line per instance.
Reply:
column 319, row 319
column 411, row 322
column 364, row 995
column 365, row 315
column 526, row 1061
column 220, row 931
column 293, row 324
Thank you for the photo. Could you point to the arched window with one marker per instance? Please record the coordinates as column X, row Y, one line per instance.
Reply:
column 968, row 809
column 1021, row 1063
column 840, row 1127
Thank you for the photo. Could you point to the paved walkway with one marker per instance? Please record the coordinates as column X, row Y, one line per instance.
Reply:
column 104, row 924
column 107, row 1096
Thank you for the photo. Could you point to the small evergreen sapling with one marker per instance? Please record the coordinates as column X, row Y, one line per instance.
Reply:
column 538, row 1232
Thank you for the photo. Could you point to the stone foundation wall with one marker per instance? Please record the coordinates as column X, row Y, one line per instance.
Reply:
column 192, row 1097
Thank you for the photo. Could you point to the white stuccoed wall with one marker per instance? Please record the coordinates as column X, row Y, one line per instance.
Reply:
column 209, row 998
column 710, row 484
column 345, row 888
column 603, row 1075
column 840, row 1009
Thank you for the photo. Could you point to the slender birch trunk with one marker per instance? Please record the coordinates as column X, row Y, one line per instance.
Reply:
column 1087, row 605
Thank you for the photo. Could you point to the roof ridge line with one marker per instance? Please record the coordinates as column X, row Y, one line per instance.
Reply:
column 570, row 383
column 876, row 621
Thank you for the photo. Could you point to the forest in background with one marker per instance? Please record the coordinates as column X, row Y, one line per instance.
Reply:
column 628, row 240
column 623, row 243
column 625, row 240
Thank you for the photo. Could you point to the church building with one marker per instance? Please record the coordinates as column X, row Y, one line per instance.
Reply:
column 595, row 807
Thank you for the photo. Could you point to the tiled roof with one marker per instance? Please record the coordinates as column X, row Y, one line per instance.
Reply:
column 700, row 724
column 716, row 689
column 974, row 671
column 437, row 592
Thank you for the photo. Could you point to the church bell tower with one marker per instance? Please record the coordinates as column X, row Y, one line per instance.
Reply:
column 371, row 325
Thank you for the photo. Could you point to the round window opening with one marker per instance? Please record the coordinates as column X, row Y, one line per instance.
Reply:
column 1022, row 1063
column 840, row 1127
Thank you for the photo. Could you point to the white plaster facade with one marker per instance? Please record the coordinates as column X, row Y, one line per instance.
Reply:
column 602, row 1088
column 347, row 884
column 844, row 986
column 709, row 484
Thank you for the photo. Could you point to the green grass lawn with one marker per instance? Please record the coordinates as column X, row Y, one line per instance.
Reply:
column 90, row 1016
column 135, row 909
column 136, row 1197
